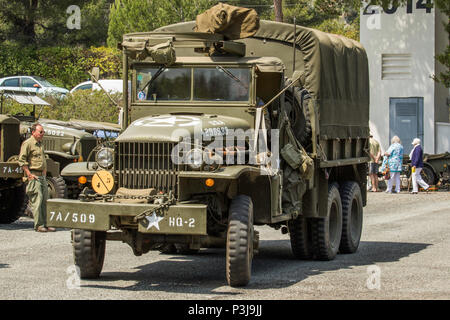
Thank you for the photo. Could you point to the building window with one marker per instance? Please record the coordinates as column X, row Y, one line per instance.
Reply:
column 396, row 66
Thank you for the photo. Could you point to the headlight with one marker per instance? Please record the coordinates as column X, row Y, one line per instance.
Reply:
column 104, row 157
column 194, row 158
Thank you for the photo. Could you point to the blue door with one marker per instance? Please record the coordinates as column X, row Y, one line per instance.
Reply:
column 406, row 120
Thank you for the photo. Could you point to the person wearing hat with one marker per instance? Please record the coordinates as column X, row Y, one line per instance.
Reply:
column 416, row 156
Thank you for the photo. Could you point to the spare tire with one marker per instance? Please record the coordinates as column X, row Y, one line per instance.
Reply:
column 296, row 104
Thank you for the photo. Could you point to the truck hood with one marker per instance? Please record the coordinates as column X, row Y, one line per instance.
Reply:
column 172, row 127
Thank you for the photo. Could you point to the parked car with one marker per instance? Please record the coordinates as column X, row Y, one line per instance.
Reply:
column 110, row 85
column 33, row 84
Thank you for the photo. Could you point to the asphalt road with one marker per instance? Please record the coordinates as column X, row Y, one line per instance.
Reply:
column 403, row 255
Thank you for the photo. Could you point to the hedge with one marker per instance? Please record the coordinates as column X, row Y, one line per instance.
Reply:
column 82, row 104
column 62, row 66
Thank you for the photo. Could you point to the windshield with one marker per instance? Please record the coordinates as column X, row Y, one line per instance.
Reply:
column 193, row 84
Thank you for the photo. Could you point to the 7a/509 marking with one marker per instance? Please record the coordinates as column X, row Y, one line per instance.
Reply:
column 72, row 216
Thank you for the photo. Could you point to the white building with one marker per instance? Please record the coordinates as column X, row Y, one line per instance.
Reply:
column 401, row 44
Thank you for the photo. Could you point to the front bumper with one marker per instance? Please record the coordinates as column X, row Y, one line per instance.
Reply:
column 183, row 219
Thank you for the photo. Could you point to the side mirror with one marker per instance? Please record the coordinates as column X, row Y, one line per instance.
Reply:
column 36, row 86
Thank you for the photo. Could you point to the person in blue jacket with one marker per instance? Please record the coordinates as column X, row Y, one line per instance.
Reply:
column 416, row 156
column 393, row 158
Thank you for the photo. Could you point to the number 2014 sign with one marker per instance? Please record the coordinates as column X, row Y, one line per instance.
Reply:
column 391, row 9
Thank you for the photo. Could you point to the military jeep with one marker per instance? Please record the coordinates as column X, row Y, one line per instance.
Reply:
column 225, row 136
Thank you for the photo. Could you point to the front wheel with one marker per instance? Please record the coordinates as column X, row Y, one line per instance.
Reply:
column 239, row 247
column 89, row 252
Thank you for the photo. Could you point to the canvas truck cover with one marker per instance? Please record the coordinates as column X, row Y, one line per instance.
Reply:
column 335, row 69
column 230, row 21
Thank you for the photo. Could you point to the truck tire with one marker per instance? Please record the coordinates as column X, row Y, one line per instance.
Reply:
column 239, row 247
column 89, row 252
column 428, row 175
column 300, row 238
column 352, row 217
column 12, row 203
column 296, row 105
column 326, row 231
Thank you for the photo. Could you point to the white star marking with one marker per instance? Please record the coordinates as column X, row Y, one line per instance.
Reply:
column 153, row 220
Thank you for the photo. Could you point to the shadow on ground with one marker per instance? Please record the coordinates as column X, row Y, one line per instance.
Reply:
column 273, row 267
column 22, row 223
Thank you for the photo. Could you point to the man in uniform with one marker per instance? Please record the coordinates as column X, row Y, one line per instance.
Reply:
column 32, row 160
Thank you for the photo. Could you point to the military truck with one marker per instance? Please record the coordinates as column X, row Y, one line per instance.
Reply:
column 197, row 167
column 435, row 169
column 63, row 144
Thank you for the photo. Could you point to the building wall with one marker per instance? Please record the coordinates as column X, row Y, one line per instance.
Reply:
column 408, row 31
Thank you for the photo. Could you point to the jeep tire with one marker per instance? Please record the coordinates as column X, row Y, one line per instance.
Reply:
column 12, row 203
column 56, row 187
column 352, row 216
column 89, row 252
column 239, row 246
column 326, row 231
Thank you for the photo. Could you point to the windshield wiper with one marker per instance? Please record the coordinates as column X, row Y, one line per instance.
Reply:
column 150, row 82
column 232, row 76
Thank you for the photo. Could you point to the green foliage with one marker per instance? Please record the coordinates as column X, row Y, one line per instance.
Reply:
column 82, row 104
column 444, row 57
column 86, row 105
column 44, row 22
column 62, row 66
column 128, row 16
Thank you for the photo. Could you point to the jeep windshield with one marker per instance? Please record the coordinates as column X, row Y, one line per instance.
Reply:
column 215, row 83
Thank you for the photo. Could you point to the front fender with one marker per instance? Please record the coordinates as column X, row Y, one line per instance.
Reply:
column 78, row 169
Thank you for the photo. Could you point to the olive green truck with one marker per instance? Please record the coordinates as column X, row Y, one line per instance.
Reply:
column 222, row 135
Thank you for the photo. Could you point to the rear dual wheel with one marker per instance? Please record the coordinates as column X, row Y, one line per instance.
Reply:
column 327, row 231
column 352, row 217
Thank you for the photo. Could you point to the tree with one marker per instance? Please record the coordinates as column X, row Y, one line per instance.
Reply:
column 44, row 22
column 146, row 15
column 278, row 9
column 444, row 57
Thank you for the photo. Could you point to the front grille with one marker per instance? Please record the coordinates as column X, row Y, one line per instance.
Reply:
column 86, row 147
column 49, row 144
column 141, row 165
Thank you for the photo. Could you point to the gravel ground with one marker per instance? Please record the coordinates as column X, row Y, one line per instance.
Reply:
column 403, row 255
